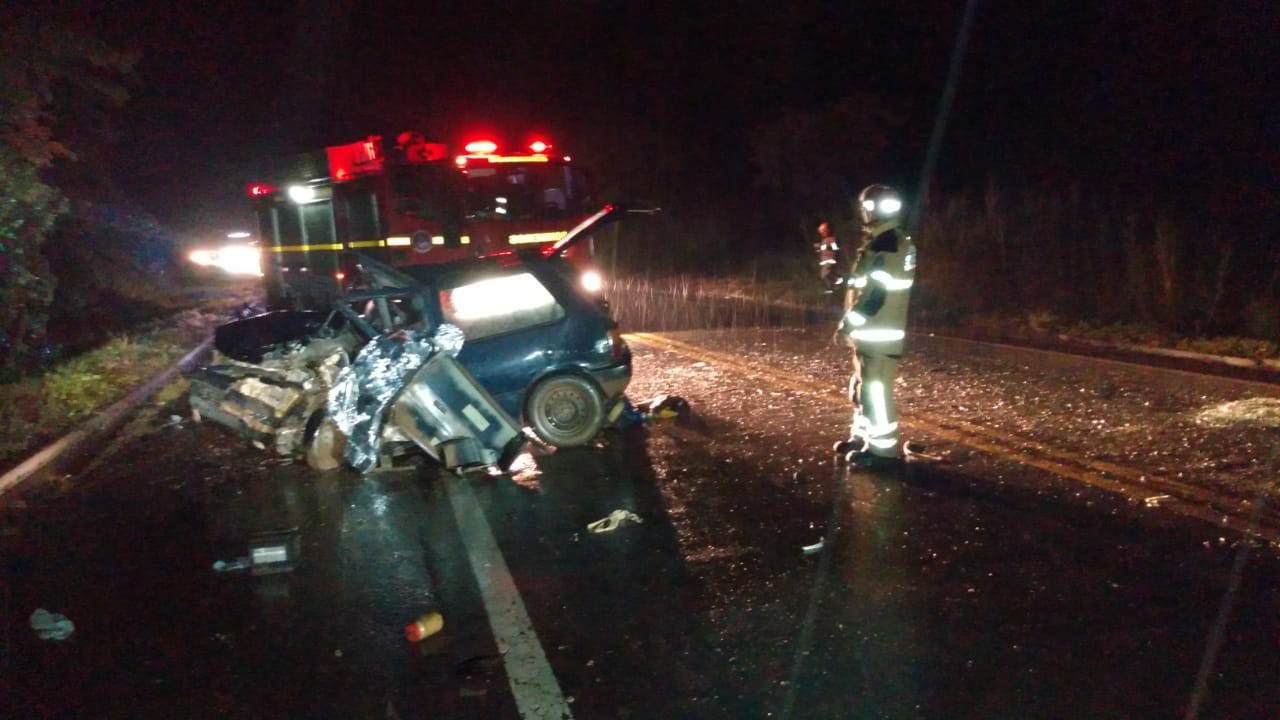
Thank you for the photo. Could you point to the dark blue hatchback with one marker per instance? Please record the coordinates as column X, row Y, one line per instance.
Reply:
column 544, row 347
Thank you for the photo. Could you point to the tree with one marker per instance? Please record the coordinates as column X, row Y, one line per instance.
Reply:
column 43, row 67
column 28, row 209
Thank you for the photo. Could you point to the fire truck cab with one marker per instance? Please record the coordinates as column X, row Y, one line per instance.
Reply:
column 410, row 204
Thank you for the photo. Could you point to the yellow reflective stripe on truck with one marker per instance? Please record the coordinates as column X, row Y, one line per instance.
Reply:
column 305, row 248
column 396, row 241
column 538, row 237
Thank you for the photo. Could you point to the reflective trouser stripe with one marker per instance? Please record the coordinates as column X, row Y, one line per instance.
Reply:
column 891, row 283
column 878, row 420
column 876, row 335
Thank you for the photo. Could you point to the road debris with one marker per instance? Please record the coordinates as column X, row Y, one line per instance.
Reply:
column 664, row 407
column 625, row 415
column 51, row 626
column 616, row 519
column 1155, row 500
column 235, row 565
column 424, row 627
column 815, row 548
column 271, row 552
column 275, row 551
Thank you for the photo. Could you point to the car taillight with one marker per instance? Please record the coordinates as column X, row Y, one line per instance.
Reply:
column 592, row 282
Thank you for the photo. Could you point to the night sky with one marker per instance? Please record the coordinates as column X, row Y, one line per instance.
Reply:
column 1152, row 98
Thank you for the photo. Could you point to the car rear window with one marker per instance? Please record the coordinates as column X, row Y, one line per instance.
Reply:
column 497, row 305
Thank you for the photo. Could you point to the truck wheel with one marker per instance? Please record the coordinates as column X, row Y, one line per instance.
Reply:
column 565, row 410
column 325, row 446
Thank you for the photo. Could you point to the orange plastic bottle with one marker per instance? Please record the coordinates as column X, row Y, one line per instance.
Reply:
column 424, row 627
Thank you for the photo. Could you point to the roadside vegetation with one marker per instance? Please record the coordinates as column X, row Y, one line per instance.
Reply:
column 41, row 407
column 1037, row 248
column 676, row 302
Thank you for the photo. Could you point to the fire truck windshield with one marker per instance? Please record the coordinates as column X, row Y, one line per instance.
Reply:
column 429, row 191
column 533, row 191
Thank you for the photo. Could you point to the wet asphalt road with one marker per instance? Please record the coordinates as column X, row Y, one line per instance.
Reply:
column 971, row 585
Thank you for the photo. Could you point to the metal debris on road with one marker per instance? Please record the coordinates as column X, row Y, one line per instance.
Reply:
column 51, row 626
column 616, row 519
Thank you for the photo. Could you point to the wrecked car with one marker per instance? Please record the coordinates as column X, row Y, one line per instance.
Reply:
column 530, row 344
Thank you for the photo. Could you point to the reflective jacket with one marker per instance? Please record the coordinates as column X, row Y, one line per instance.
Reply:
column 882, row 277
column 828, row 252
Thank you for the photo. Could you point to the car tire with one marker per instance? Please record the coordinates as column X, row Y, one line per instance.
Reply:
column 325, row 446
column 565, row 410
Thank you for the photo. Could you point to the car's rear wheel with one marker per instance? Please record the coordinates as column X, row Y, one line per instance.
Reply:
column 565, row 410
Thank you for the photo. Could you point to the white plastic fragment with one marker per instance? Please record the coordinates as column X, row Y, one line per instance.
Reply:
column 222, row 566
column 616, row 519
column 815, row 548
column 1155, row 500
column 51, row 626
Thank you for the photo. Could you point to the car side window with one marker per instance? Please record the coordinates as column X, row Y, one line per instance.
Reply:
column 498, row 305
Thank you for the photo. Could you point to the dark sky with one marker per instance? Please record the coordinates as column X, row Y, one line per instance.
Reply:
column 1157, row 97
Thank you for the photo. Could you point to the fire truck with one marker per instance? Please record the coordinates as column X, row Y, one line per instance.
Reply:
column 411, row 203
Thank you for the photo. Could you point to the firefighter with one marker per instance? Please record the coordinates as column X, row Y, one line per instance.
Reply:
column 874, row 325
column 829, row 259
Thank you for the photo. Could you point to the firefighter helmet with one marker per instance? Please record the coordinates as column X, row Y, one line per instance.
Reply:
column 878, row 203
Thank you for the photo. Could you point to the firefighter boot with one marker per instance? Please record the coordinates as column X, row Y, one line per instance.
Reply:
column 855, row 445
column 870, row 461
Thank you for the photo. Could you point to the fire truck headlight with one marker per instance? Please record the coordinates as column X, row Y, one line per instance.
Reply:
column 302, row 194
column 233, row 259
column 592, row 282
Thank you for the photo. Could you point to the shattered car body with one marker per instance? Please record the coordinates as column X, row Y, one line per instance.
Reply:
column 529, row 344
column 268, row 393
column 438, row 404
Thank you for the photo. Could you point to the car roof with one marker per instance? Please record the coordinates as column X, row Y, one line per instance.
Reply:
column 495, row 264
column 379, row 275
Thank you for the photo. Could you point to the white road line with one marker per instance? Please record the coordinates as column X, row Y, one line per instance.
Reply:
column 537, row 694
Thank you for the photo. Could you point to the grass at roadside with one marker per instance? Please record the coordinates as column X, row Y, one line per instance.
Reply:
column 40, row 408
